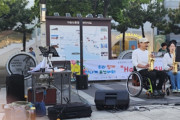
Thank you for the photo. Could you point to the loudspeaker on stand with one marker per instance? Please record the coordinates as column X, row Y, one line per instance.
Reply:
column 81, row 82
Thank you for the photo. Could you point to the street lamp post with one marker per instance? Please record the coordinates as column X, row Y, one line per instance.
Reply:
column 43, row 21
column 43, row 10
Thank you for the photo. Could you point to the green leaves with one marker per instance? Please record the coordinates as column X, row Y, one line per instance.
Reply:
column 69, row 6
column 16, row 11
column 156, row 14
column 17, row 17
column 4, row 8
column 172, row 23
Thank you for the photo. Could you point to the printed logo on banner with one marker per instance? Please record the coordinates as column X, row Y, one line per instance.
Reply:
column 158, row 67
column 54, row 29
column 104, row 29
column 126, row 68
column 104, row 38
column 54, row 37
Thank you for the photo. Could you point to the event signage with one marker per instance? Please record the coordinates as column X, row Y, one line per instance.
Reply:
column 113, row 69
column 20, row 64
column 95, row 42
column 129, row 35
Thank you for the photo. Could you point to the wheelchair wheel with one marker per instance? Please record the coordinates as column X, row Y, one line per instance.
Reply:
column 134, row 84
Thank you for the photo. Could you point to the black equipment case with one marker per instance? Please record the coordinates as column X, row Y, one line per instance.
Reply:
column 111, row 99
column 70, row 110
column 15, row 88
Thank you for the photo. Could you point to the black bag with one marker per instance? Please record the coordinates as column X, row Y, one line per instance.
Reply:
column 15, row 88
column 71, row 110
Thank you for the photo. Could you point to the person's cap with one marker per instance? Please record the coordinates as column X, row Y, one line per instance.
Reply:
column 143, row 40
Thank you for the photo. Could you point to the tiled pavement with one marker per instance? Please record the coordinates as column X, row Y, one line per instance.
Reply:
column 155, row 111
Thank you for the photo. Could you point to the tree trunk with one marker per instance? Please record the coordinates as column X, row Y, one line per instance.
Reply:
column 106, row 3
column 123, row 41
column 24, row 41
column 95, row 7
column 142, row 28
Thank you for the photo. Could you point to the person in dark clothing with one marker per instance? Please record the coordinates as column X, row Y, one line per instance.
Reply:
column 32, row 52
column 163, row 47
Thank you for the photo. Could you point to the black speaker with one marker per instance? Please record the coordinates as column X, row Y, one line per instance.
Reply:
column 15, row 88
column 81, row 82
column 111, row 99
column 177, row 54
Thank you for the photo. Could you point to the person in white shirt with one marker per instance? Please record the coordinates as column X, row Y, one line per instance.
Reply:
column 140, row 61
column 168, row 66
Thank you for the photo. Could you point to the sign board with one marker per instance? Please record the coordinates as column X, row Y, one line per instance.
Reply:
column 65, row 32
column 20, row 64
column 95, row 42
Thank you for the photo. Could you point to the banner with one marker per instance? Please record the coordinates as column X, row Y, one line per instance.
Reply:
column 112, row 69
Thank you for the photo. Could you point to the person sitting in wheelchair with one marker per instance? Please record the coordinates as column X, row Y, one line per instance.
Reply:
column 140, row 61
column 169, row 65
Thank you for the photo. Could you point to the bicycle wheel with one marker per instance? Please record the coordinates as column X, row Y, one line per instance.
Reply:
column 134, row 84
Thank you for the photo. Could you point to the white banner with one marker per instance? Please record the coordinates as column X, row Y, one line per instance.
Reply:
column 112, row 69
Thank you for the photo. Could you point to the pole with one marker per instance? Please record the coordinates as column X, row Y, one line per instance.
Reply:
column 81, row 46
column 43, row 22
column 81, row 80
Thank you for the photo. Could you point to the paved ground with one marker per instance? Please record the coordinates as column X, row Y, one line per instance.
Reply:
column 141, row 108
column 143, row 99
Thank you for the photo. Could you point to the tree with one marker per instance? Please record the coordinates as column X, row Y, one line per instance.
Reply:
column 125, row 14
column 141, row 11
column 4, row 8
column 17, row 18
column 24, row 17
column 155, row 14
column 172, row 24
column 80, row 6
column 7, row 19
column 133, row 14
column 125, row 17
column 36, row 9
column 120, row 13
column 69, row 6
column 116, row 6
column 137, row 15
column 124, row 23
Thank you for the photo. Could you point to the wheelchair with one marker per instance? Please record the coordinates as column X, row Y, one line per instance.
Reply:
column 136, row 83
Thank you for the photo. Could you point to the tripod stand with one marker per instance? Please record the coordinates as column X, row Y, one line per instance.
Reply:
column 46, row 63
